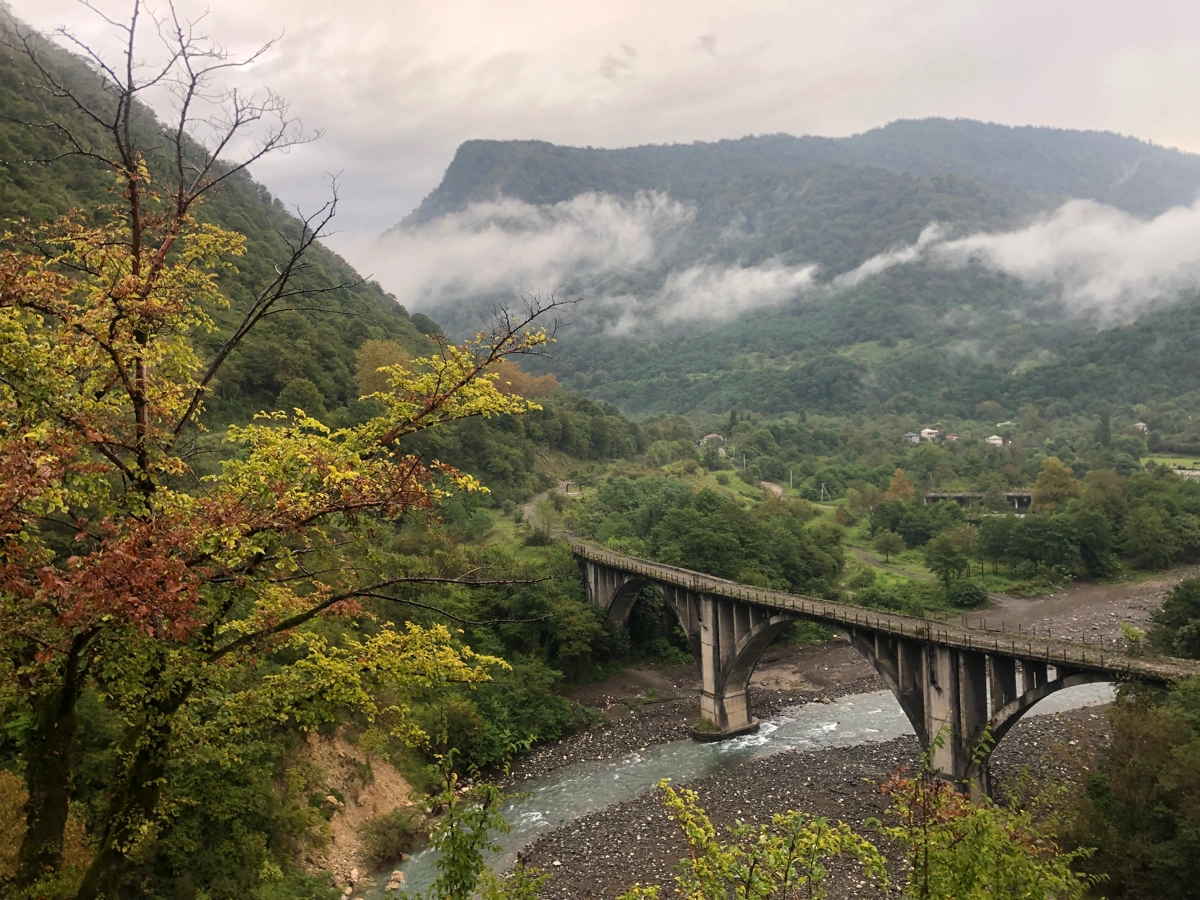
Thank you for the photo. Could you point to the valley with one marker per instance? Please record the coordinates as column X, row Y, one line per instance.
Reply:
column 765, row 467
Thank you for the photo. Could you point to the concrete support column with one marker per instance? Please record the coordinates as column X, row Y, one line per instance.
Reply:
column 725, row 624
column 712, row 707
column 1003, row 676
column 956, row 713
column 941, row 707
column 972, row 720
column 910, row 685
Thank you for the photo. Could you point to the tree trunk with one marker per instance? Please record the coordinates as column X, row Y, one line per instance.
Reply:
column 134, row 802
column 132, row 806
column 48, row 781
column 48, row 774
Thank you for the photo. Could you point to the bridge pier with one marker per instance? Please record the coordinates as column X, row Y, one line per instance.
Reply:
column 956, row 686
column 944, row 694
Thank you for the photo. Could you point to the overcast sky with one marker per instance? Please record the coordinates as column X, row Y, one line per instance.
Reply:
column 397, row 85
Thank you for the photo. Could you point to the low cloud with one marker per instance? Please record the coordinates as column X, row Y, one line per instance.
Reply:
column 714, row 293
column 594, row 240
column 931, row 235
column 631, row 258
column 507, row 245
column 1102, row 261
column 1098, row 260
column 722, row 292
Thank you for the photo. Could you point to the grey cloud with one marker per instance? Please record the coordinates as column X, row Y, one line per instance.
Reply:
column 613, row 67
column 508, row 244
column 397, row 87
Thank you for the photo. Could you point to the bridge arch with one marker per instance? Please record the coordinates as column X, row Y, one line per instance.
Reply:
column 624, row 597
column 950, row 680
column 1004, row 718
column 901, row 668
column 725, row 701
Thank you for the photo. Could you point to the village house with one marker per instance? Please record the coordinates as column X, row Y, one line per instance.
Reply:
column 995, row 440
column 912, row 437
column 929, row 433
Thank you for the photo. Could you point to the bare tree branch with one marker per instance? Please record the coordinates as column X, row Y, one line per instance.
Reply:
column 311, row 229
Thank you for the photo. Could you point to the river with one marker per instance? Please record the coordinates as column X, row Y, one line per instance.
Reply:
column 575, row 790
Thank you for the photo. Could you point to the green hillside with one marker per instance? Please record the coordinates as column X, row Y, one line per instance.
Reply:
column 919, row 339
column 318, row 346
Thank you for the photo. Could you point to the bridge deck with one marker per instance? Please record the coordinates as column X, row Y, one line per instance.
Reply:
column 1079, row 656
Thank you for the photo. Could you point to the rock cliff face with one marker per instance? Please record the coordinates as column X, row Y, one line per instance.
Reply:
column 358, row 789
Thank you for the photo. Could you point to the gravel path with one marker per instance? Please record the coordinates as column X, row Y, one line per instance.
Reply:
column 1086, row 612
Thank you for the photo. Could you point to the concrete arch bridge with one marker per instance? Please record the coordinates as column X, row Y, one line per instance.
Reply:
column 950, row 680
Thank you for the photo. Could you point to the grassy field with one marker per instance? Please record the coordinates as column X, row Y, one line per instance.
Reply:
column 1174, row 462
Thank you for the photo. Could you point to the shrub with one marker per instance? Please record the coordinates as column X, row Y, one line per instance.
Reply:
column 1175, row 626
column 863, row 578
column 387, row 837
column 966, row 595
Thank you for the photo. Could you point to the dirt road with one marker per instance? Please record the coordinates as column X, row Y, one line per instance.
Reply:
column 1087, row 611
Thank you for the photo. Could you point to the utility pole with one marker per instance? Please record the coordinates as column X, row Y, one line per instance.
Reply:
column 789, row 479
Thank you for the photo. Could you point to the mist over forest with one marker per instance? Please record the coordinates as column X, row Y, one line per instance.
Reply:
column 951, row 262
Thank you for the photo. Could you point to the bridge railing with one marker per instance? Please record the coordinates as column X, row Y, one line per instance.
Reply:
column 1056, row 652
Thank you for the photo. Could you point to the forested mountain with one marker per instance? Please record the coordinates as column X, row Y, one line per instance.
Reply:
column 922, row 338
column 1122, row 171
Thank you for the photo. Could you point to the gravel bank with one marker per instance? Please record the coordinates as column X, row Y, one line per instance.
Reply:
column 601, row 855
column 1086, row 612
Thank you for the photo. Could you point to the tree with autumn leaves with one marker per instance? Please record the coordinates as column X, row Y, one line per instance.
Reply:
column 122, row 569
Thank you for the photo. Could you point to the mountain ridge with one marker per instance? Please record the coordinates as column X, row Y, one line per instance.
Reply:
column 1124, row 171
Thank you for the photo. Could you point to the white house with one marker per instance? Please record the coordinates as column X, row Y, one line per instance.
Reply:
column 1141, row 426
column 929, row 433
column 995, row 440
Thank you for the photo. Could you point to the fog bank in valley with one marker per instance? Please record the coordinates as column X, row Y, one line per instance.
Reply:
column 1099, row 261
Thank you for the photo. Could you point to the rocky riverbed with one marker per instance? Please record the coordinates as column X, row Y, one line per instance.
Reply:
column 603, row 854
